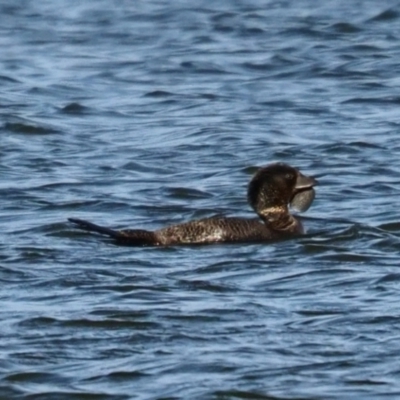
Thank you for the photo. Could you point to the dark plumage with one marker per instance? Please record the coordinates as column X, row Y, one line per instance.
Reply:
column 269, row 193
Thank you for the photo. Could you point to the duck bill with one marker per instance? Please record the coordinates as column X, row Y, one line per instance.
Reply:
column 304, row 193
column 304, row 182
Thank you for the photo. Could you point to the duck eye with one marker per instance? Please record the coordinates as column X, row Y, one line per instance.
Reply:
column 288, row 176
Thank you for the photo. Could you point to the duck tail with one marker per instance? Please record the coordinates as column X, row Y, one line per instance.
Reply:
column 134, row 237
column 89, row 226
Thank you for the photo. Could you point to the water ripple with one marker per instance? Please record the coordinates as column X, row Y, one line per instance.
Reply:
column 157, row 112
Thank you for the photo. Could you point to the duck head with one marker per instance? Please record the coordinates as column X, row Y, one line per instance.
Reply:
column 275, row 186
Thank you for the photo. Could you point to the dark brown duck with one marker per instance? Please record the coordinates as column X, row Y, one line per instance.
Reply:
column 270, row 192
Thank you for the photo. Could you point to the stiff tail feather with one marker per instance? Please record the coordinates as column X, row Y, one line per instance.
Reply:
column 134, row 237
column 89, row 226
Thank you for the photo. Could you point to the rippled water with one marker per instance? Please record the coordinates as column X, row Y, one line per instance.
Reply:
column 147, row 113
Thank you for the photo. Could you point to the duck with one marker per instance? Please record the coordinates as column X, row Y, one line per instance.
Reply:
column 271, row 191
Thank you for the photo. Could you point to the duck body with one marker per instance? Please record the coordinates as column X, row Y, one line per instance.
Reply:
column 202, row 231
column 269, row 193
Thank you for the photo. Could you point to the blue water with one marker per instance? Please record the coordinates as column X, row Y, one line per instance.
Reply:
column 147, row 113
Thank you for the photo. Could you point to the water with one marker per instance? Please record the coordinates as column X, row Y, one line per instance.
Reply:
column 142, row 114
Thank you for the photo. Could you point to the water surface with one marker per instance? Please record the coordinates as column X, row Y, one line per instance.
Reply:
column 142, row 114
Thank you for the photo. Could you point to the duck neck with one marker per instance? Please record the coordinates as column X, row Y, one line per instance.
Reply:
column 279, row 218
